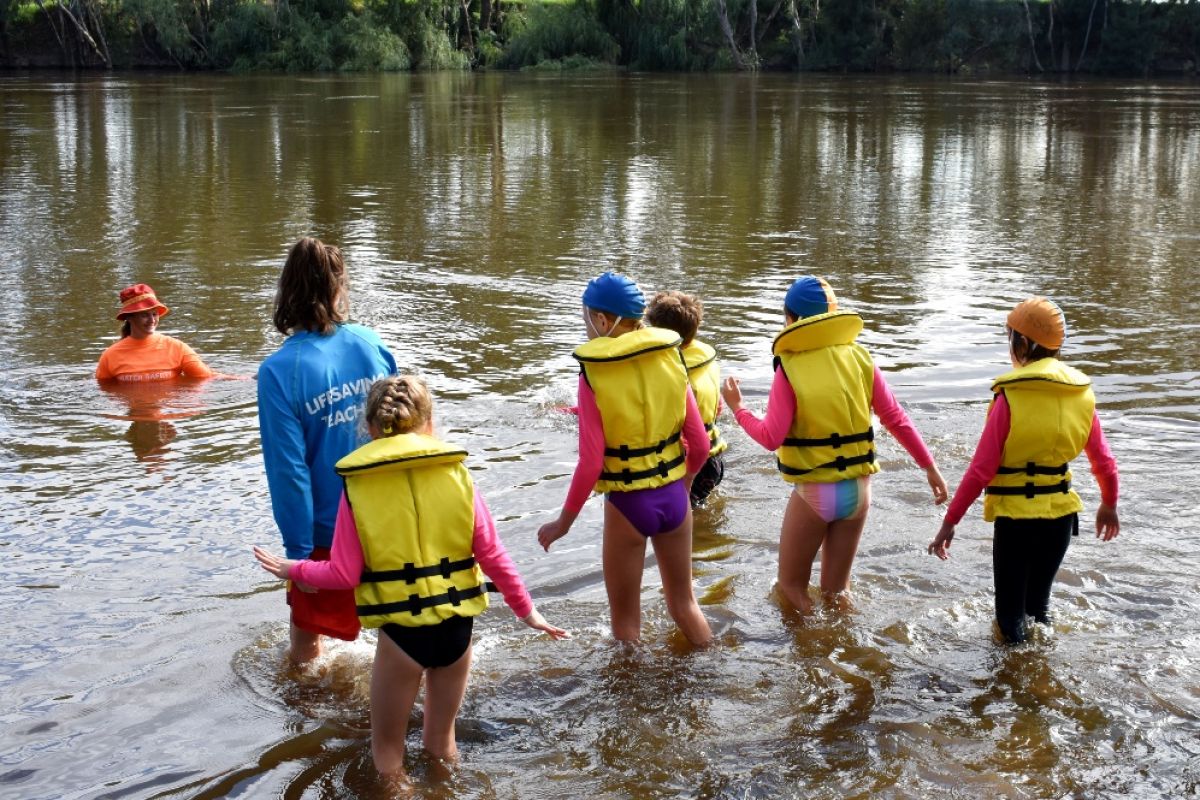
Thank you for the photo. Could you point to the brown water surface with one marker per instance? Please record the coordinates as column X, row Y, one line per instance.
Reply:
column 143, row 647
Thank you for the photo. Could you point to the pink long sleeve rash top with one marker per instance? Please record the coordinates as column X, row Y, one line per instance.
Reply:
column 773, row 428
column 591, row 445
column 345, row 563
column 990, row 450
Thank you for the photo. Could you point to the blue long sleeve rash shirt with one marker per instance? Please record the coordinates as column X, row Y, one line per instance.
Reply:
column 311, row 396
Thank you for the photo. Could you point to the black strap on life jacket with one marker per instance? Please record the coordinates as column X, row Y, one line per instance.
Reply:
column 415, row 603
column 625, row 452
column 1029, row 490
column 1031, row 468
column 840, row 463
column 662, row 469
column 409, row 573
column 834, row 440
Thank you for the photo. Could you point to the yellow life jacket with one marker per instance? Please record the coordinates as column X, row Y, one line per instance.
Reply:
column 414, row 505
column 641, row 389
column 704, row 373
column 1052, row 407
column 831, row 438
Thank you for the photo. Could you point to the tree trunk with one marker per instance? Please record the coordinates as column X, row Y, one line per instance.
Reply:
column 1086, row 35
column 1032, row 44
column 485, row 15
column 754, row 33
column 1050, row 38
column 85, row 36
column 797, row 33
column 723, row 21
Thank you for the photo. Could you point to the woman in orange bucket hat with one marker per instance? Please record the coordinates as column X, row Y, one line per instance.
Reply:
column 1042, row 415
column 143, row 354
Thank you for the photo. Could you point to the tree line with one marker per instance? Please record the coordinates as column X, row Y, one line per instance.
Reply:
column 1118, row 37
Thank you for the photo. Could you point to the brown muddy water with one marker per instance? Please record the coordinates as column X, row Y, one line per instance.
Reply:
column 143, row 647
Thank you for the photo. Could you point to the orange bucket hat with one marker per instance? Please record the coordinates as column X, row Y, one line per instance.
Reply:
column 139, row 297
column 1041, row 320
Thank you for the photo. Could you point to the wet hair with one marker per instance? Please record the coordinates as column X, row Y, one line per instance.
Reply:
column 1026, row 350
column 126, row 329
column 678, row 312
column 399, row 404
column 312, row 289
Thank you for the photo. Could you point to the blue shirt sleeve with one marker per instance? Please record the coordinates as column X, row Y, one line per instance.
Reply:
column 288, row 477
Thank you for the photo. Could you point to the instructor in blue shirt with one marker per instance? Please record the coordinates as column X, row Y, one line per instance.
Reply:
column 311, row 394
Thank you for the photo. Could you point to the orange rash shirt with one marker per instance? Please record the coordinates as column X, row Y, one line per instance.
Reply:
column 155, row 358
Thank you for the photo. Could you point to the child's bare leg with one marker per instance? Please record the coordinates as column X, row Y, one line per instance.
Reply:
column 624, row 557
column 444, row 690
column 305, row 645
column 799, row 540
column 837, row 555
column 673, row 550
column 395, row 679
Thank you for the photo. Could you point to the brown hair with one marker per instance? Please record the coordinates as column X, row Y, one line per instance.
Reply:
column 312, row 289
column 399, row 404
column 678, row 312
column 1026, row 350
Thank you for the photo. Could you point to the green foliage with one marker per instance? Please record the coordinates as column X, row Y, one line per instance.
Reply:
column 1124, row 37
column 555, row 32
column 849, row 36
column 960, row 36
column 169, row 23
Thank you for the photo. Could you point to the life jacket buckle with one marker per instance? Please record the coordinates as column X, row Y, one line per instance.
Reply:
column 1030, row 468
column 840, row 463
column 409, row 572
column 1029, row 493
column 444, row 567
column 414, row 605
column 624, row 454
column 835, row 440
column 453, row 594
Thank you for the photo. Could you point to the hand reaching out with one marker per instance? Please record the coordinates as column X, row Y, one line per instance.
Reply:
column 940, row 546
column 538, row 623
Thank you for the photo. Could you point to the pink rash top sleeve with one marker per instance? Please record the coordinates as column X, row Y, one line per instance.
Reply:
column 494, row 560
column 695, row 438
column 345, row 564
column 984, row 463
column 772, row 429
column 1104, row 466
column 894, row 418
column 591, row 450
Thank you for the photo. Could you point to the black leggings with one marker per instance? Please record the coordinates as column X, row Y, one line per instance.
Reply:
column 1026, row 555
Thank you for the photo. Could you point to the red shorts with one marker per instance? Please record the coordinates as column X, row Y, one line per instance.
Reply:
column 330, row 612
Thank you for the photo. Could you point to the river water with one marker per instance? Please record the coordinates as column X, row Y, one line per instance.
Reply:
column 143, row 648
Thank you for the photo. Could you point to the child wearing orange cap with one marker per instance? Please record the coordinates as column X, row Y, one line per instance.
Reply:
column 1042, row 415
column 143, row 354
column 818, row 422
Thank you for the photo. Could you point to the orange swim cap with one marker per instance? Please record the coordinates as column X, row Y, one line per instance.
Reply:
column 1041, row 320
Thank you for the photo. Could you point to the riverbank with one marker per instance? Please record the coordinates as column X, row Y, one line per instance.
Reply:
column 1105, row 37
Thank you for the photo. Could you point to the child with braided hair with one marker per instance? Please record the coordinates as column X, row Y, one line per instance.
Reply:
column 413, row 538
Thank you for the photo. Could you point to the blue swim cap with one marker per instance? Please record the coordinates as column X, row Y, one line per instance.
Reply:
column 615, row 294
column 810, row 296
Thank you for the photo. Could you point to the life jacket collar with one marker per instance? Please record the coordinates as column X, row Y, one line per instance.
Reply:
column 402, row 451
column 629, row 345
column 697, row 354
column 820, row 330
column 1043, row 375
